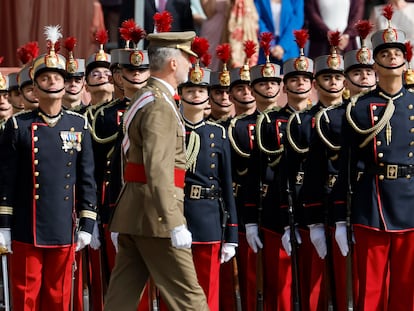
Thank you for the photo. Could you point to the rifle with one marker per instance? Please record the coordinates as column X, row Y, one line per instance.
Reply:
column 259, row 258
column 294, row 244
column 329, row 270
column 236, row 285
column 72, row 289
column 85, row 279
column 154, row 304
column 349, row 279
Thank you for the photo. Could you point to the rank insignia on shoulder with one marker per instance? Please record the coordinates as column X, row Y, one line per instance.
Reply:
column 71, row 140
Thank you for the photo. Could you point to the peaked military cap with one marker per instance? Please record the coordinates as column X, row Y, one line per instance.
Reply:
column 175, row 40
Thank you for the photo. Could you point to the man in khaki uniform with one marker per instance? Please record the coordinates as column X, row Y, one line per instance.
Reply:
column 153, row 236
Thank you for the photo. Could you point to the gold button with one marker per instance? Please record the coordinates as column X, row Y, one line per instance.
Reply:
column 36, row 162
column 410, row 154
column 213, row 154
column 37, row 186
column 380, row 155
column 279, row 124
column 67, row 176
column 71, row 152
column 411, row 130
column 374, row 107
column 67, row 186
column 408, row 176
column 211, row 135
column 212, row 165
column 108, row 163
column 34, row 127
column 411, row 143
column 36, row 150
column 210, row 177
column 379, row 143
column 72, row 129
column 66, row 198
column 36, row 197
column 174, row 195
column 280, row 134
column 381, row 177
column 69, row 164
column 251, row 127
column 411, row 118
column 410, row 106
column 160, row 219
column 36, row 174
column 381, row 164
column 375, row 118
column 212, row 145
column 35, row 138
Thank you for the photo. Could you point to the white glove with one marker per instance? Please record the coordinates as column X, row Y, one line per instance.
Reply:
column 95, row 242
column 114, row 239
column 227, row 252
column 318, row 239
column 286, row 240
column 5, row 240
column 252, row 237
column 181, row 237
column 84, row 239
column 341, row 237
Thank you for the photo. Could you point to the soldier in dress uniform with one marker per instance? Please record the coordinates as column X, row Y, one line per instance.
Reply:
column 378, row 134
column 46, row 161
column 321, row 172
column 6, row 109
column 75, row 79
column 241, row 133
column 15, row 97
column 222, row 109
column 27, row 53
column 281, row 165
column 133, row 65
column 153, row 237
column 209, row 205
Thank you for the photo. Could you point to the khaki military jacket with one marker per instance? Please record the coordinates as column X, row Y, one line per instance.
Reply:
column 156, row 139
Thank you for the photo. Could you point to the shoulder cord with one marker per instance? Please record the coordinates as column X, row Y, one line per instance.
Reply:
column 289, row 135
column 318, row 117
column 231, row 137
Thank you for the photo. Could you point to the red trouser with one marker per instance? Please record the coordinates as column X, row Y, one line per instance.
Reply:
column 207, row 264
column 41, row 277
column 385, row 269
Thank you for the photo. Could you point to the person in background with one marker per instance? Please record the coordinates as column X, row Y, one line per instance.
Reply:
column 111, row 10
column 280, row 18
column 323, row 16
column 214, row 26
column 6, row 109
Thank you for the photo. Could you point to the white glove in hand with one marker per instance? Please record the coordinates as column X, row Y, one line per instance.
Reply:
column 5, row 239
column 227, row 252
column 318, row 239
column 95, row 242
column 114, row 239
column 181, row 237
column 341, row 237
column 252, row 237
column 286, row 240
column 84, row 239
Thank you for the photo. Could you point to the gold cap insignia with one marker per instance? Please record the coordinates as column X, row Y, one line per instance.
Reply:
column 136, row 58
column 301, row 64
column 245, row 73
column 268, row 71
column 333, row 61
column 196, row 75
column 363, row 56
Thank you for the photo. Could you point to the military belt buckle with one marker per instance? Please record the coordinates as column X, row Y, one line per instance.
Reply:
column 392, row 171
column 195, row 192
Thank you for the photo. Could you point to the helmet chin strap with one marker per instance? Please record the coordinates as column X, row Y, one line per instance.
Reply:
column 74, row 93
column 244, row 102
column 389, row 67
column 220, row 105
column 29, row 100
column 360, row 85
column 299, row 93
column 50, row 92
column 266, row 96
column 132, row 82
column 195, row 104
column 98, row 84
column 331, row 92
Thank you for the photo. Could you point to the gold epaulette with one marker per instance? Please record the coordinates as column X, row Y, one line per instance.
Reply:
column 101, row 111
column 295, row 115
column 318, row 117
column 219, row 126
column 14, row 120
column 231, row 137
column 259, row 122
